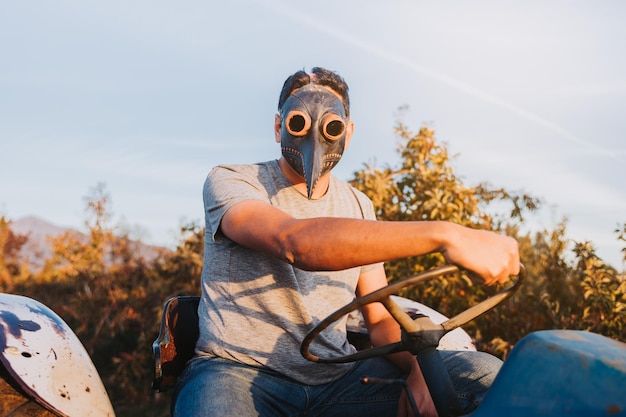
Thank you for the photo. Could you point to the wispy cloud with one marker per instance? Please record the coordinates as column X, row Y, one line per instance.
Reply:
column 298, row 15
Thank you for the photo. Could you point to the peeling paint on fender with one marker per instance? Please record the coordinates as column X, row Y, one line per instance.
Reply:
column 49, row 362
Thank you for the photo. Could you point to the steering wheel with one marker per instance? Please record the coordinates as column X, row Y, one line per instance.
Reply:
column 420, row 335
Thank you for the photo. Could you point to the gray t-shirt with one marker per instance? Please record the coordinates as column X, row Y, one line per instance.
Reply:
column 256, row 309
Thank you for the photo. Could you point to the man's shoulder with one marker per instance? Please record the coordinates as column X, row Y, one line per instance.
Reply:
column 242, row 168
column 343, row 186
column 346, row 195
column 221, row 172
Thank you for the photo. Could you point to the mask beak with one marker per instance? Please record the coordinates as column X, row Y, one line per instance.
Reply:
column 313, row 162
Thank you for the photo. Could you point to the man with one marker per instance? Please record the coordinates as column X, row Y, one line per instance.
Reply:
column 287, row 244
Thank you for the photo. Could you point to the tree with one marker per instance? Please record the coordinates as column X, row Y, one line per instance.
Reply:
column 424, row 187
column 603, row 305
column 557, row 294
column 12, row 267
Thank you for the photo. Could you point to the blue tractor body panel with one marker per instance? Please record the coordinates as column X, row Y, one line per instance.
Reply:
column 560, row 373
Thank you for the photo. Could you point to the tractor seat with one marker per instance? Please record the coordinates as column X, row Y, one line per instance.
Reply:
column 176, row 342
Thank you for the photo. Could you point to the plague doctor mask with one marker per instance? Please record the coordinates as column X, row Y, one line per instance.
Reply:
column 314, row 128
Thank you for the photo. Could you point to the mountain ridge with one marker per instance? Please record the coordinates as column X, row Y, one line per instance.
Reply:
column 39, row 233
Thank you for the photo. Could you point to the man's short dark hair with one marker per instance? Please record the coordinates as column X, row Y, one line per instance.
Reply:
column 323, row 77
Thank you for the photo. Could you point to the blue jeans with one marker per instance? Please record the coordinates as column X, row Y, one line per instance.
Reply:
column 222, row 388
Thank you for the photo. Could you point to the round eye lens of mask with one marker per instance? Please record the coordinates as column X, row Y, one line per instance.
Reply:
column 333, row 127
column 298, row 123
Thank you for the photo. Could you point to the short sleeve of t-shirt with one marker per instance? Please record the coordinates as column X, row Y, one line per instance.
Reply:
column 227, row 186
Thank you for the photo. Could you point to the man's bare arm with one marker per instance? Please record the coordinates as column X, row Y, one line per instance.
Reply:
column 339, row 243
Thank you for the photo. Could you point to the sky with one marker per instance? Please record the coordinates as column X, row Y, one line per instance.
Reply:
column 146, row 96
